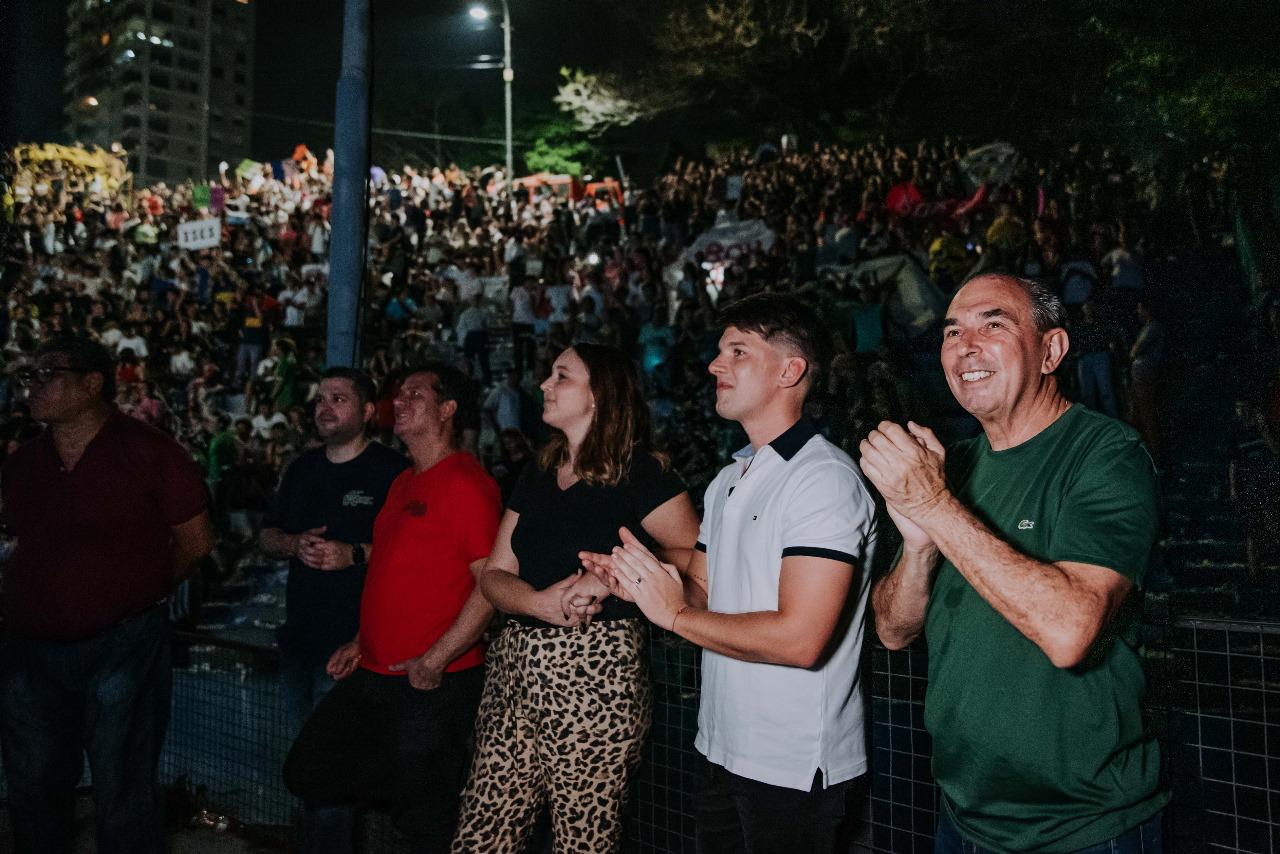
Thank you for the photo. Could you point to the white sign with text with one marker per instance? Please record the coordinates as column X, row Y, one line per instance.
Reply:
column 200, row 233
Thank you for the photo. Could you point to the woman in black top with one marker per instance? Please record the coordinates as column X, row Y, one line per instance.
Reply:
column 566, row 702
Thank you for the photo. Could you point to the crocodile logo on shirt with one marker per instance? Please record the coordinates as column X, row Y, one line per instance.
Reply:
column 1026, row 525
column 357, row 498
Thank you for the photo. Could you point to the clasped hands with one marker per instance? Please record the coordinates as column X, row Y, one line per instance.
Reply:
column 907, row 467
column 318, row 553
column 633, row 573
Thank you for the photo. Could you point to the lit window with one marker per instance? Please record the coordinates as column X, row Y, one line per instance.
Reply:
column 104, row 39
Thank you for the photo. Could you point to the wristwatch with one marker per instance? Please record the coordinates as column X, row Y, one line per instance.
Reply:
column 357, row 554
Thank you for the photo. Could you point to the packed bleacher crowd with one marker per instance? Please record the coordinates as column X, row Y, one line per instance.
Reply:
column 223, row 347
column 469, row 283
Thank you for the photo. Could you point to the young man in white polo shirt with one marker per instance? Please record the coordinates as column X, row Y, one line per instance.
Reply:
column 775, row 593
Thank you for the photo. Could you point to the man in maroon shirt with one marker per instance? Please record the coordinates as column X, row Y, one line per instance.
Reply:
column 109, row 514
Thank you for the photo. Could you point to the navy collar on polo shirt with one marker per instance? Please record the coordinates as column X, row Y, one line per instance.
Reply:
column 788, row 443
column 794, row 438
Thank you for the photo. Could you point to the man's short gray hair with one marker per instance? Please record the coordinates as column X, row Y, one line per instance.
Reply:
column 1046, row 307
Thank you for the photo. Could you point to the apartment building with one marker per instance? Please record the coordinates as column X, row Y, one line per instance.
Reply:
column 169, row 80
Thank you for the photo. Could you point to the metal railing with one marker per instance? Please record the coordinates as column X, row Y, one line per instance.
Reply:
column 1213, row 699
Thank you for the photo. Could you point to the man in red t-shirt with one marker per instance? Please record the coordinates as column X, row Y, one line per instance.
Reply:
column 109, row 515
column 396, row 727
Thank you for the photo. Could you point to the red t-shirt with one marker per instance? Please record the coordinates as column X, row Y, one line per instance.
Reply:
column 431, row 528
column 95, row 544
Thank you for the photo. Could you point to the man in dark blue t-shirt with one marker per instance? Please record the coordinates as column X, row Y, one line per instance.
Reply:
column 321, row 519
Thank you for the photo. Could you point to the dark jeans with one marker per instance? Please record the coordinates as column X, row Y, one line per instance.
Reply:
column 303, row 684
column 377, row 739
column 1146, row 838
column 735, row 814
column 476, row 346
column 247, row 358
column 1096, row 391
column 107, row 696
column 524, row 347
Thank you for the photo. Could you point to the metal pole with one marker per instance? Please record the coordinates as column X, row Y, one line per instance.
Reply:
column 206, row 51
column 350, row 183
column 507, row 76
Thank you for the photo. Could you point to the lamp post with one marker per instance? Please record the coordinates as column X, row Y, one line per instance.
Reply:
column 480, row 13
column 350, row 179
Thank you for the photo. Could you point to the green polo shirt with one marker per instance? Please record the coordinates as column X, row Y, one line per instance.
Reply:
column 1031, row 757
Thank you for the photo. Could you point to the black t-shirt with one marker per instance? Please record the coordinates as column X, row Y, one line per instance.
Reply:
column 323, row 607
column 556, row 524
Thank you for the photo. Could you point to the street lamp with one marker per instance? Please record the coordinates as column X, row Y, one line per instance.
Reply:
column 480, row 13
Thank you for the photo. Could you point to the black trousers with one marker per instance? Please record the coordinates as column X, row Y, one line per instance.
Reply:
column 736, row 815
column 376, row 739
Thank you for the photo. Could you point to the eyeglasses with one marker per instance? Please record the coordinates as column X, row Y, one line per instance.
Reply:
column 33, row 376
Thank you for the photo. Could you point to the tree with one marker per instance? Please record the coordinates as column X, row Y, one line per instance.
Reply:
column 594, row 104
column 559, row 147
column 1203, row 82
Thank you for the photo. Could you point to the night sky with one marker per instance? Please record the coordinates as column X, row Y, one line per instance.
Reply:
column 418, row 47
column 32, row 38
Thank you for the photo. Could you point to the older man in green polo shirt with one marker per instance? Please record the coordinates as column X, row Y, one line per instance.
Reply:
column 1022, row 551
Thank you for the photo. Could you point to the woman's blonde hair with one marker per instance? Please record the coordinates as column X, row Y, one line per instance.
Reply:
column 620, row 427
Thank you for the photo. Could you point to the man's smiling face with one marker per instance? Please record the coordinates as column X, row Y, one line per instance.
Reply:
column 992, row 353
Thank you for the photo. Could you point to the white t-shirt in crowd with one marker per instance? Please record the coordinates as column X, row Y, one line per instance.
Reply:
column 522, row 306
column 295, row 306
column 137, row 344
column 262, row 424
column 319, row 238
column 181, row 364
column 798, row 495
column 468, row 287
column 472, row 320
column 512, row 251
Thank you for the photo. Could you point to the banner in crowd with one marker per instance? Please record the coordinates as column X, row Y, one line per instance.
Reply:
column 248, row 169
column 200, row 234
column 104, row 170
column 995, row 163
column 728, row 239
column 915, row 303
column 200, row 196
column 915, row 207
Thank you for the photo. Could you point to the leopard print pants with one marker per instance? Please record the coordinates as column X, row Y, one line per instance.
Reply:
column 562, row 721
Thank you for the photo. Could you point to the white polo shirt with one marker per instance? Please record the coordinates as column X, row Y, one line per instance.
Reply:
column 798, row 495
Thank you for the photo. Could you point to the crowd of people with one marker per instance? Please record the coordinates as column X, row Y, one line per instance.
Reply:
column 567, row 376
column 223, row 347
